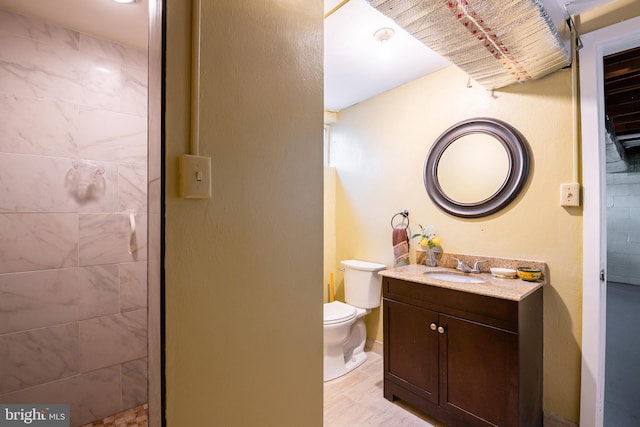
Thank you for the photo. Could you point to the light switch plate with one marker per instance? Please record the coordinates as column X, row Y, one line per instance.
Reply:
column 195, row 176
column 570, row 194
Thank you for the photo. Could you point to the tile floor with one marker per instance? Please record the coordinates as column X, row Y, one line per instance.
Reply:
column 356, row 399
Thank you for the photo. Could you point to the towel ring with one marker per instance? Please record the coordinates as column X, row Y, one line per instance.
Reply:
column 405, row 215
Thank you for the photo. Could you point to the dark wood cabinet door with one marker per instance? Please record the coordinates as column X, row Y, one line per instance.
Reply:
column 478, row 372
column 411, row 348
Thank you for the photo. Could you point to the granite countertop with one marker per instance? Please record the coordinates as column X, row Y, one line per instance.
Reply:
column 511, row 289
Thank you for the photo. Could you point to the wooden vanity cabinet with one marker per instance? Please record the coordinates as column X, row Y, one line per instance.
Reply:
column 464, row 359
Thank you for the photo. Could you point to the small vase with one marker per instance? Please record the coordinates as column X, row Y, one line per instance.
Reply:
column 429, row 256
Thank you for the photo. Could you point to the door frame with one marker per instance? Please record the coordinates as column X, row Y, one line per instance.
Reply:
column 597, row 45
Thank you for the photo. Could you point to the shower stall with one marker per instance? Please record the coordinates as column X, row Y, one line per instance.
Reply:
column 73, row 220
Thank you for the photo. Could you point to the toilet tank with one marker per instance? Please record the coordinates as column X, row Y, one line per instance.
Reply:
column 362, row 284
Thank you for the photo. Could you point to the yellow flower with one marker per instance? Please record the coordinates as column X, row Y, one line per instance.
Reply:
column 427, row 237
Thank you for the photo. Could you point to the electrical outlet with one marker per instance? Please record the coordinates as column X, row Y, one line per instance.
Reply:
column 570, row 194
column 195, row 176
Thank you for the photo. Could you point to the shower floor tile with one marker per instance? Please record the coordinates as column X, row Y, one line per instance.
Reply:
column 136, row 417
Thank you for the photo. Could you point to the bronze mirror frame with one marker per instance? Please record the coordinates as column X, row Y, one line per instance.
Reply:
column 518, row 154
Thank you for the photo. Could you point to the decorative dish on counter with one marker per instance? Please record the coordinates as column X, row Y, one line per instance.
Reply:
column 503, row 273
column 530, row 274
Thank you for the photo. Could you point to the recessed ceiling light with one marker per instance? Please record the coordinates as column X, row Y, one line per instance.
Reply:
column 383, row 34
column 124, row 1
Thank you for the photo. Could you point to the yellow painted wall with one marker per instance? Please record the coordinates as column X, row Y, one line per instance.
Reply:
column 243, row 269
column 378, row 148
column 610, row 13
column 329, row 260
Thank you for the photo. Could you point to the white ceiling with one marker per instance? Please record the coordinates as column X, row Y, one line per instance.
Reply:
column 355, row 68
column 125, row 23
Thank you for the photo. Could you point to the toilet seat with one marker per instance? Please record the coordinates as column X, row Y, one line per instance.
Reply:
column 338, row 312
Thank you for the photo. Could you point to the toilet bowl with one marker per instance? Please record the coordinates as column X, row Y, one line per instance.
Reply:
column 345, row 332
column 344, row 337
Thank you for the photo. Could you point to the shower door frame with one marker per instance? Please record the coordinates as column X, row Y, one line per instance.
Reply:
column 155, row 239
column 597, row 45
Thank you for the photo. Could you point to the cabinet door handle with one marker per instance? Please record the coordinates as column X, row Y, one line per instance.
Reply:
column 433, row 326
column 440, row 330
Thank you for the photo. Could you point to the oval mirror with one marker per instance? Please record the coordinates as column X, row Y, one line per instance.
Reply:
column 476, row 167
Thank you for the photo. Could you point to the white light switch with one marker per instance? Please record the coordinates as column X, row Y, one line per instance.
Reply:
column 195, row 176
column 570, row 194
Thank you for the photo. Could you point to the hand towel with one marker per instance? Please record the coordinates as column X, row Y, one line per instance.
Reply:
column 400, row 245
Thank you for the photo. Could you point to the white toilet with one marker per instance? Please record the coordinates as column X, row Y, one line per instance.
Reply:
column 344, row 329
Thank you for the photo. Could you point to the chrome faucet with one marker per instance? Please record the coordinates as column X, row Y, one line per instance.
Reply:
column 466, row 268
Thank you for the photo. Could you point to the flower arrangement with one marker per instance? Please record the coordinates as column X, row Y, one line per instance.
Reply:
column 427, row 237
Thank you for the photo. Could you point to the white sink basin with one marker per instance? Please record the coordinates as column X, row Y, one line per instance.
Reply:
column 451, row 277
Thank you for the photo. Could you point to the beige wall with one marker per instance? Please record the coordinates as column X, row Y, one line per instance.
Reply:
column 378, row 148
column 243, row 269
column 608, row 14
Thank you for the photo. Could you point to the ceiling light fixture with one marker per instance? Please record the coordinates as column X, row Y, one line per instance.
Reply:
column 124, row 1
column 383, row 34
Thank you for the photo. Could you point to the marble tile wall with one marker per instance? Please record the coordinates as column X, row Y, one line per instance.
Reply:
column 73, row 181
